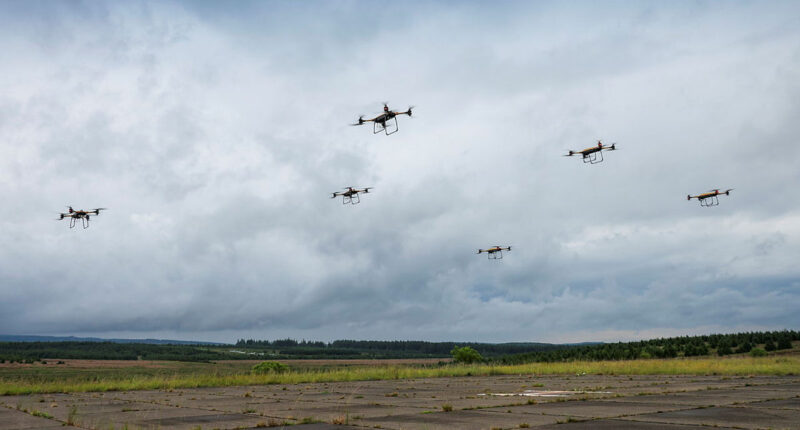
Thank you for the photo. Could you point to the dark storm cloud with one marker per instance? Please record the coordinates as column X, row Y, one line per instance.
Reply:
column 216, row 133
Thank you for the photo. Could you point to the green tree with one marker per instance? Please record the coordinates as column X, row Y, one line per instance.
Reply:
column 465, row 355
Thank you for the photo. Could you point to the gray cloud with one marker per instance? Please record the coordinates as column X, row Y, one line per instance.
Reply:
column 215, row 134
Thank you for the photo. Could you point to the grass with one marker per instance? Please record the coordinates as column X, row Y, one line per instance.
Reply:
column 194, row 375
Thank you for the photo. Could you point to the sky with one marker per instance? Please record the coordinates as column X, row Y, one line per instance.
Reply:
column 215, row 132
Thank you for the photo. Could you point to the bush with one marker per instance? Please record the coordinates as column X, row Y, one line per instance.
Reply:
column 466, row 355
column 269, row 367
column 757, row 352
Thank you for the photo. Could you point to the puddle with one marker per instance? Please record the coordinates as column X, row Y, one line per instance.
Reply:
column 544, row 393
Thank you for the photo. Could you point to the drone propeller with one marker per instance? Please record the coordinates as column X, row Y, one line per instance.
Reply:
column 728, row 191
column 570, row 153
column 100, row 209
column 408, row 112
column 360, row 120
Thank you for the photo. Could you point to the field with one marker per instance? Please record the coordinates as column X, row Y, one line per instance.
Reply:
column 736, row 392
column 562, row 402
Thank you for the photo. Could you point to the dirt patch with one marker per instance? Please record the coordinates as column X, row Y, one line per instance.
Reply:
column 346, row 362
column 88, row 364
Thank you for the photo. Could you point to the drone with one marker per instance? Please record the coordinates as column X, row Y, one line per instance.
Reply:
column 81, row 214
column 350, row 195
column 710, row 198
column 383, row 122
column 593, row 154
column 495, row 252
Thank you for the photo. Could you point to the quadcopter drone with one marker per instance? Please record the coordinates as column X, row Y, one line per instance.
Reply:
column 81, row 214
column 593, row 154
column 383, row 122
column 710, row 198
column 350, row 195
column 495, row 252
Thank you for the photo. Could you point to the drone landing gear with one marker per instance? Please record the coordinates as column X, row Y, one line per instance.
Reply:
column 593, row 158
column 495, row 255
column 74, row 221
column 709, row 201
column 378, row 127
column 353, row 200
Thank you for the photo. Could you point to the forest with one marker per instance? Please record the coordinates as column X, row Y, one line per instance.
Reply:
column 501, row 353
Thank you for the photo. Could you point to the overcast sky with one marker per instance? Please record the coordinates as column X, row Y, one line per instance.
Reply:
column 216, row 131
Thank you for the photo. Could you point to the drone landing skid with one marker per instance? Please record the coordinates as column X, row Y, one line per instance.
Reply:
column 74, row 221
column 594, row 158
column 495, row 255
column 709, row 202
column 382, row 127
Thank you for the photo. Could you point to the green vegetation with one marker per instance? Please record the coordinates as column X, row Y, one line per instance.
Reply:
column 210, row 375
column 269, row 367
column 41, row 414
column 466, row 355
column 29, row 352
column 686, row 346
column 290, row 348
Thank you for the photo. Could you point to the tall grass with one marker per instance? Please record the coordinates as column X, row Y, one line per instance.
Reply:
column 789, row 365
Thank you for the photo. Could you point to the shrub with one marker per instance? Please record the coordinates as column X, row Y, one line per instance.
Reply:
column 269, row 367
column 757, row 352
column 466, row 355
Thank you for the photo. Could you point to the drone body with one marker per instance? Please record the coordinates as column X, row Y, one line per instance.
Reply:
column 351, row 195
column 710, row 198
column 83, row 215
column 593, row 154
column 495, row 252
column 383, row 122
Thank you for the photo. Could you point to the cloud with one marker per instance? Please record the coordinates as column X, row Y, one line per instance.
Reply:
column 215, row 134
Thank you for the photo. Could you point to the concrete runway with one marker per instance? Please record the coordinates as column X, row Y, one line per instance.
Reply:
column 496, row 402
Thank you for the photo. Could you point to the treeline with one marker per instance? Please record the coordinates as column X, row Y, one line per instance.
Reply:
column 685, row 346
column 35, row 351
column 385, row 349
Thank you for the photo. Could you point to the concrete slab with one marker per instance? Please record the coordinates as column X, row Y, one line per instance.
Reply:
column 462, row 420
column 11, row 419
column 792, row 403
column 590, row 409
column 610, row 424
column 747, row 418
